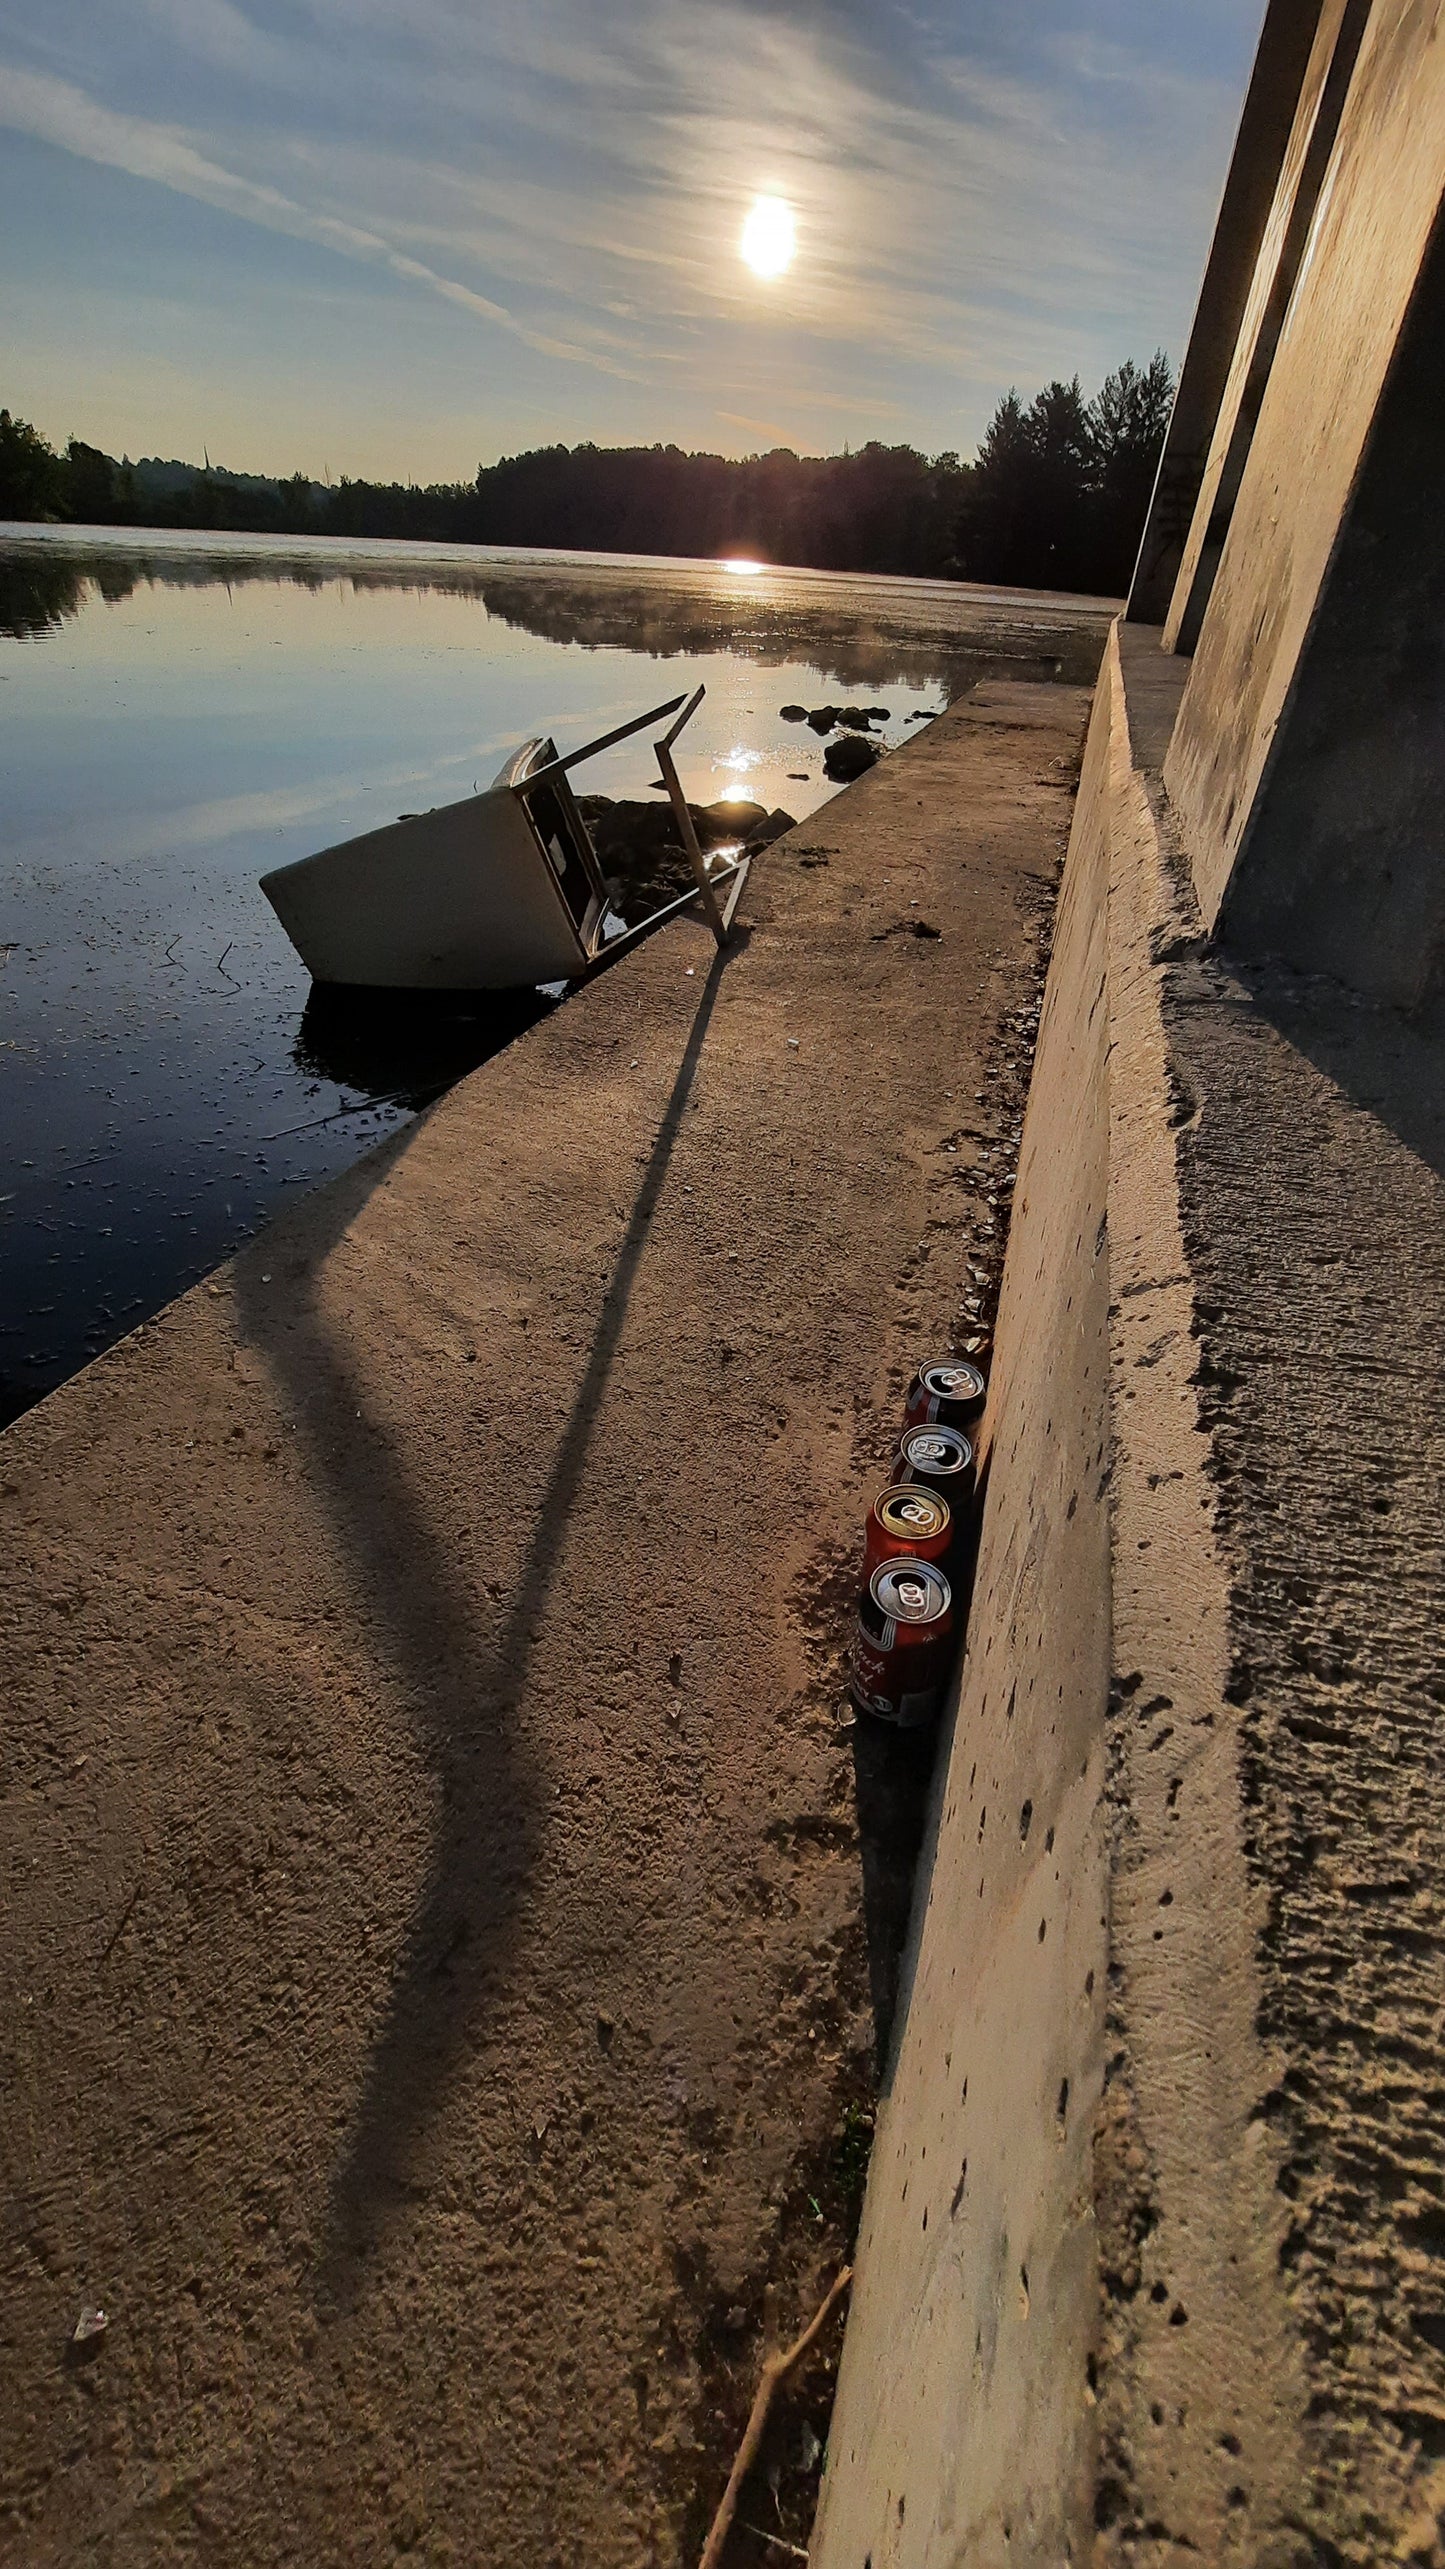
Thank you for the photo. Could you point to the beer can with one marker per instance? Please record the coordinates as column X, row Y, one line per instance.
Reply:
column 907, row 1518
column 903, row 1645
column 941, row 1459
column 946, row 1395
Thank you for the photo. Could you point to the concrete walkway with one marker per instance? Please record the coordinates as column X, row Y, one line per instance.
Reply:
column 436, row 1938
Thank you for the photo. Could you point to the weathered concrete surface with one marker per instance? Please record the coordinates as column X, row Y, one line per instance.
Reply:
column 434, row 1943
column 1327, row 72
column 1341, row 871
column 1236, row 742
column 1264, row 129
column 963, row 2430
column 1313, row 1169
column 1278, row 1560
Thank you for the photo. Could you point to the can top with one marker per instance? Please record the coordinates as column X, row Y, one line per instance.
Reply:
column 956, row 1381
column 911, row 1512
column 910, row 1591
column 937, row 1449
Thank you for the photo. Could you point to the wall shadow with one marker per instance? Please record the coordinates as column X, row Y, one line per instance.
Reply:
column 892, row 1783
column 461, row 1676
column 1388, row 1065
column 897, row 1795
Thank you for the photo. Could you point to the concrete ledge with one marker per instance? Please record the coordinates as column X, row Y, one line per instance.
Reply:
column 1197, row 2313
column 435, row 1944
column 1068, row 2297
column 963, row 2425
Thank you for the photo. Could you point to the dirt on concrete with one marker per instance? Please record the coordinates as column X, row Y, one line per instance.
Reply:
column 451, row 1917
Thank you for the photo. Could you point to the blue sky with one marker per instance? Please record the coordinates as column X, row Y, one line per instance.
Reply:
column 406, row 236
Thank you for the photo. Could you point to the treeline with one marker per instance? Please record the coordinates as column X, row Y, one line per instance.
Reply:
column 1055, row 498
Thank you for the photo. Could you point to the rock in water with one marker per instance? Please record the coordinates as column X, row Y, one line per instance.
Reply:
column 823, row 718
column 731, row 819
column 849, row 757
column 792, row 713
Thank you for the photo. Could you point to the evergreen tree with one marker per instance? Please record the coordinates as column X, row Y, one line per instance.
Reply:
column 1128, row 417
column 29, row 471
column 1060, row 490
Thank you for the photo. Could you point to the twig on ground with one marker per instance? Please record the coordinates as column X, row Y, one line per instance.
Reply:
column 776, row 2369
column 794, row 2550
column 125, row 1918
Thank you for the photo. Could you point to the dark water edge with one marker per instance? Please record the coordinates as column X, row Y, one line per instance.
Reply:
column 127, row 1221
column 181, row 714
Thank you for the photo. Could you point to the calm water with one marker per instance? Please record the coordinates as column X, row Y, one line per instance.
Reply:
column 178, row 714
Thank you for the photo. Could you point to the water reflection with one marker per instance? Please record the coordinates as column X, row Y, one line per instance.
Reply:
column 38, row 596
column 915, row 631
column 183, row 714
column 404, row 1048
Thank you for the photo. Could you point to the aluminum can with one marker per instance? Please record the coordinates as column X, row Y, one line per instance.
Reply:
column 951, row 1395
column 907, row 1518
column 903, row 1645
column 941, row 1459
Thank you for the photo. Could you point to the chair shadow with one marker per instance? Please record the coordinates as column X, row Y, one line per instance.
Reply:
column 463, row 1684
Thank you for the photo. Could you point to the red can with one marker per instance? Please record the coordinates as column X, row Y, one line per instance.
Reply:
column 903, row 1647
column 950, row 1395
column 907, row 1518
column 941, row 1458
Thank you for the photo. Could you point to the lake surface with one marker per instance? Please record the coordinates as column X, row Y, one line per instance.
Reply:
column 178, row 714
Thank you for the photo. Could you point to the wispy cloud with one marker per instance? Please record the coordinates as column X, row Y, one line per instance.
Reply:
column 983, row 194
column 55, row 111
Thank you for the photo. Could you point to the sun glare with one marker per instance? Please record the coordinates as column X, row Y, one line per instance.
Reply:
column 769, row 237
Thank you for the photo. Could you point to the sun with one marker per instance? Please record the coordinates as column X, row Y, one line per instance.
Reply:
column 769, row 236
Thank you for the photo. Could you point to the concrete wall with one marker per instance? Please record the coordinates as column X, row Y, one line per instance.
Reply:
column 1067, row 2319
column 1282, row 247
column 963, row 2426
column 1264, row 129
column 1293, row 720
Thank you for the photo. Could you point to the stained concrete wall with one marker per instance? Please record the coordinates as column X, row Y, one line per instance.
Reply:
column 1308, row 755
column 1264, row 129
column 1282, row 248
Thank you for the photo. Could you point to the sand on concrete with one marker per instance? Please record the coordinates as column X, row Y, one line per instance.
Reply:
column 437, row 1924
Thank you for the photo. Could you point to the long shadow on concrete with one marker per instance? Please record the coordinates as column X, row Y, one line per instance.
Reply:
column 465, row 1692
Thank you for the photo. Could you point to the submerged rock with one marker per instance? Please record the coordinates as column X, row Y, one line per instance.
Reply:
column 826, row 718
column 849, row 757
column 640, row 851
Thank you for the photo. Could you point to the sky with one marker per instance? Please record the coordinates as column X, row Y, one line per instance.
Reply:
column 403, row 237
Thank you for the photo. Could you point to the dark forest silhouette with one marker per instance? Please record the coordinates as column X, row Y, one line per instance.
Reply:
column 1054, row 499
